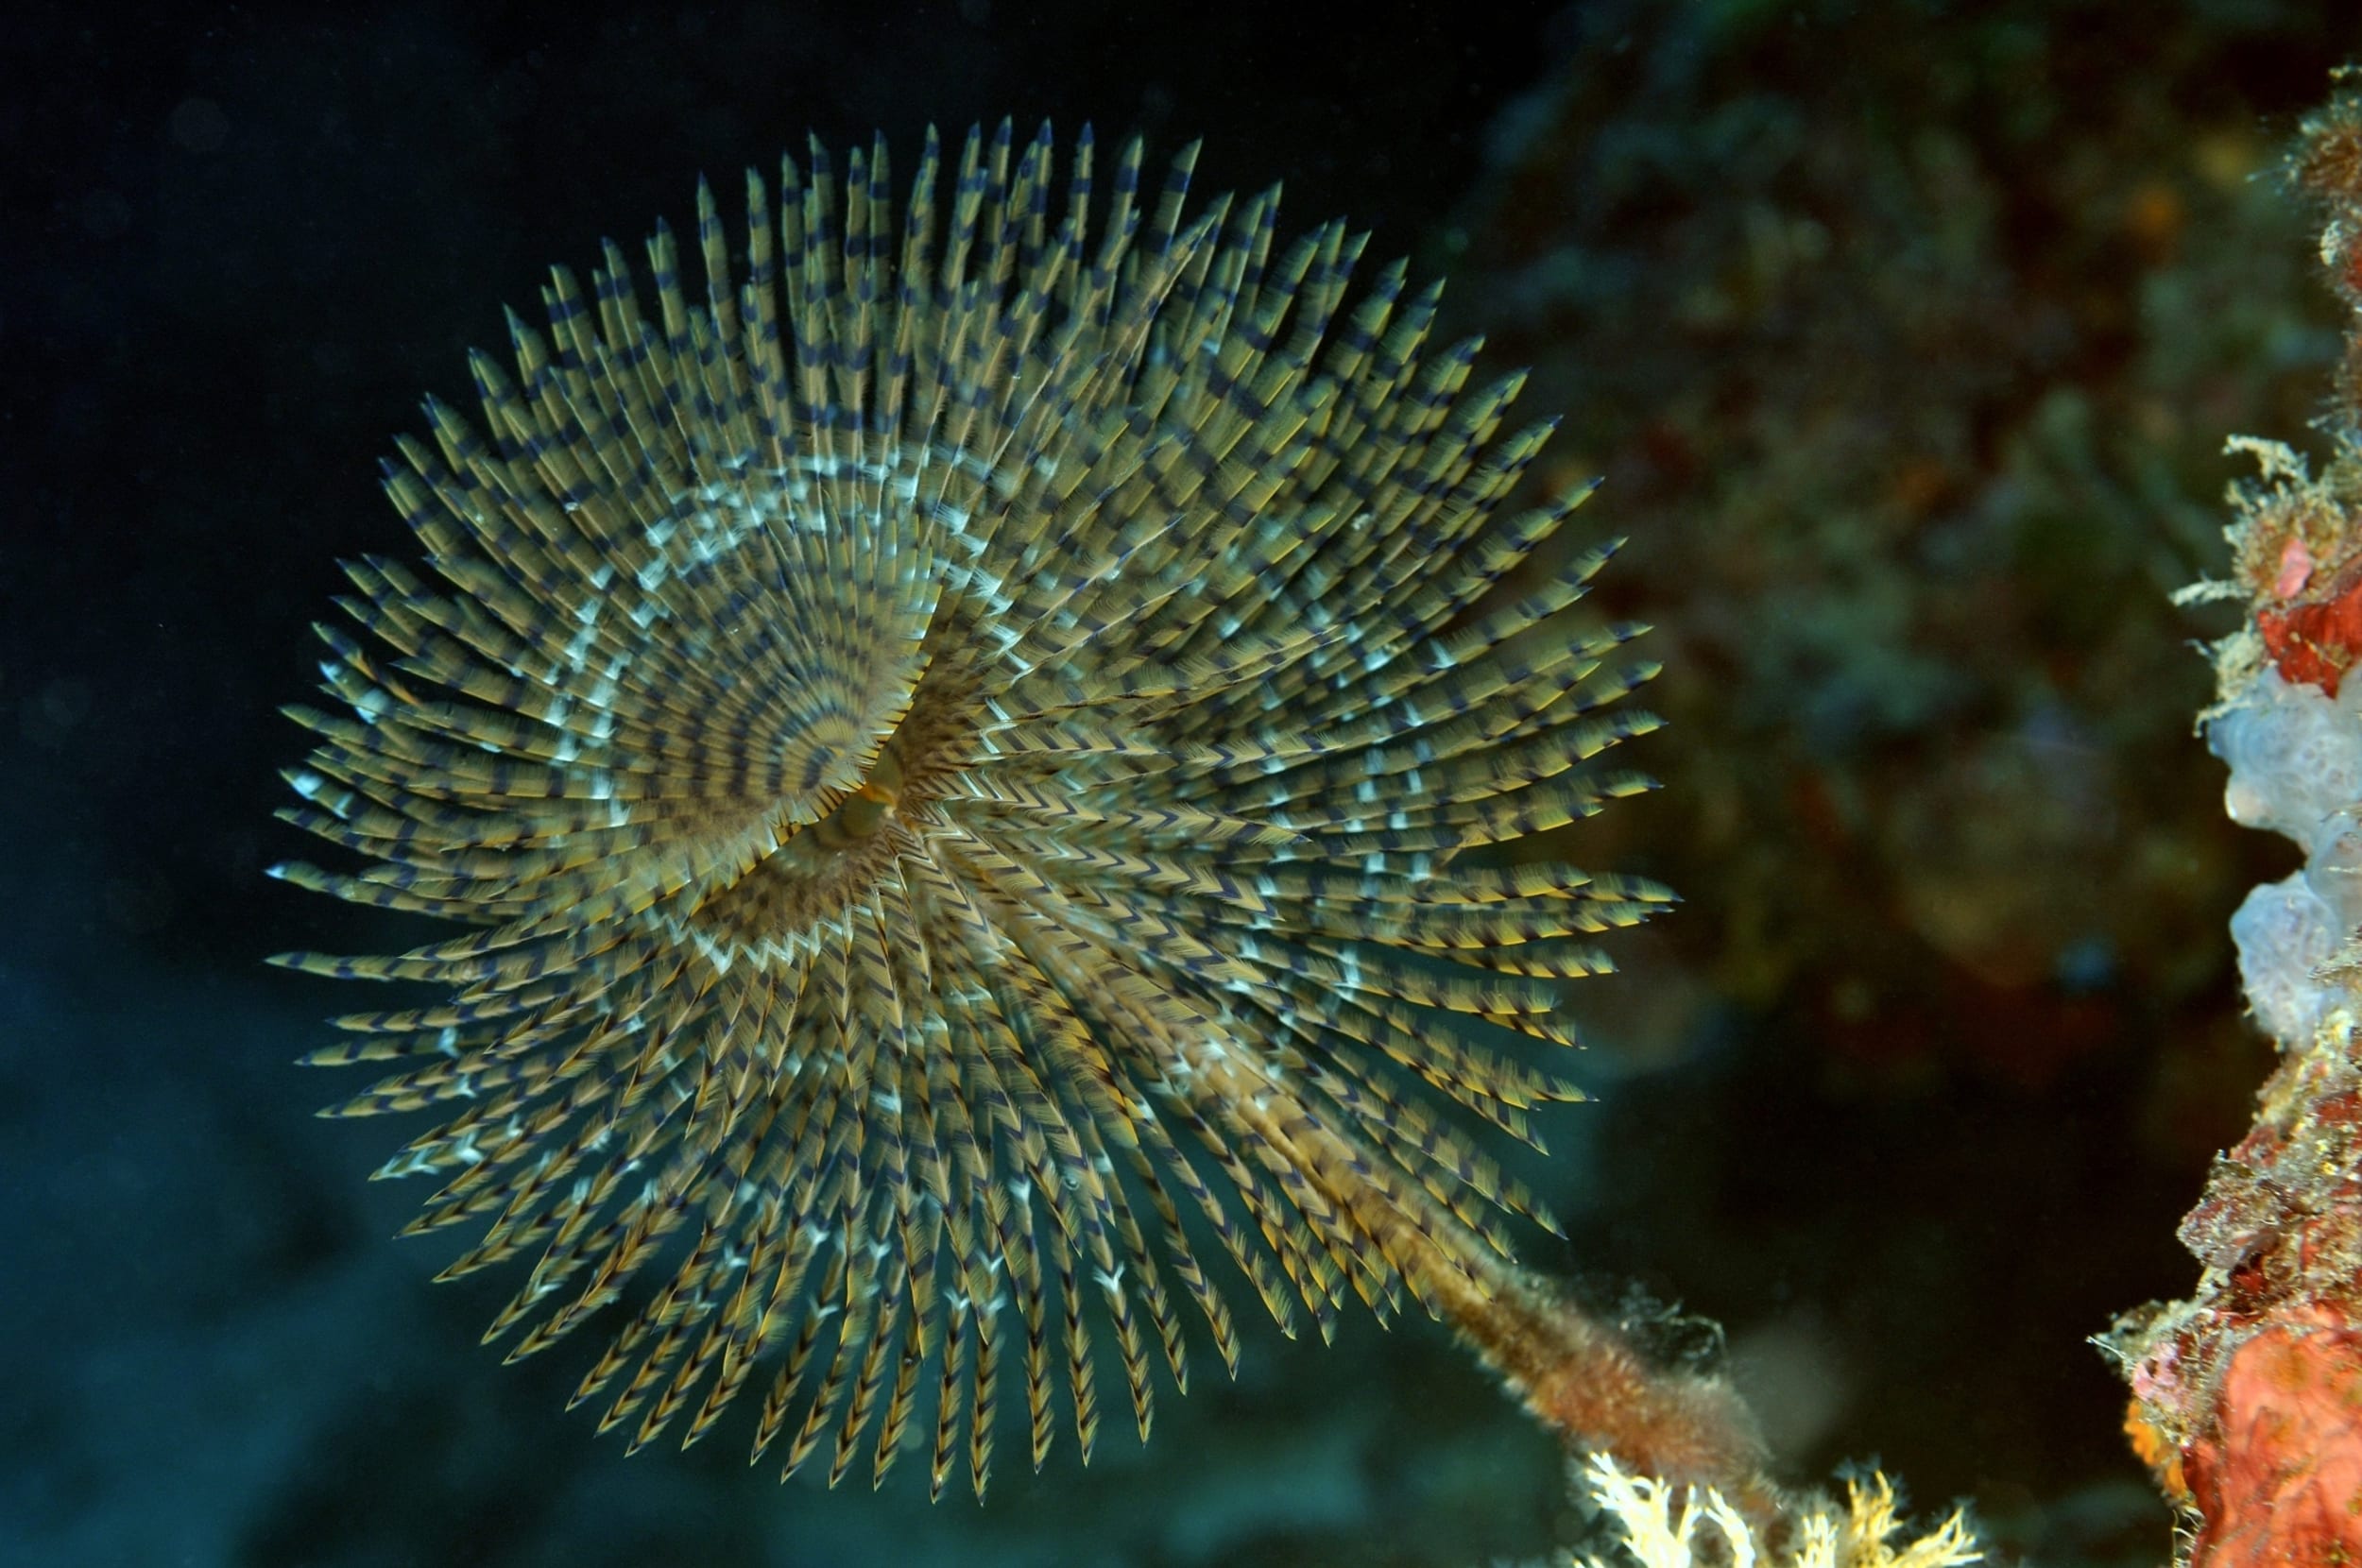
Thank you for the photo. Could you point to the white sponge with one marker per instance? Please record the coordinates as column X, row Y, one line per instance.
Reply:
column 2295, row 768
column 2295, row 756
column 2285, row 931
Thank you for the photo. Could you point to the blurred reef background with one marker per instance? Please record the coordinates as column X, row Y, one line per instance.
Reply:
column 1906, row 337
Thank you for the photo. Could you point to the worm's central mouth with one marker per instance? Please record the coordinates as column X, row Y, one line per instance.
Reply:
column 863, row 813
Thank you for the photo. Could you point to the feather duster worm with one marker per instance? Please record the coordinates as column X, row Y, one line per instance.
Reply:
column 955, row 754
